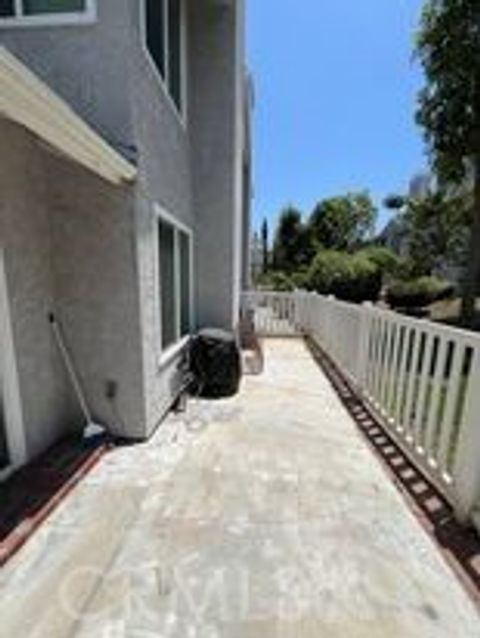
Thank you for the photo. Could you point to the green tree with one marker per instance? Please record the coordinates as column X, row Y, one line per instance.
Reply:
column 394, row 201
column 388, row 262
column 293, row 246
column 344, row 222
column 264, row 239
column 448, row 47
column 436, row 231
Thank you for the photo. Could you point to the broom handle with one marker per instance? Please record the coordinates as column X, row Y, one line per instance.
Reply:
column 67, row 360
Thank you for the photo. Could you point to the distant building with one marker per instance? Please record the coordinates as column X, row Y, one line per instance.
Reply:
column 421, row 185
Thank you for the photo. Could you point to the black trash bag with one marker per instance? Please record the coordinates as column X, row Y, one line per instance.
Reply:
column 215, row 363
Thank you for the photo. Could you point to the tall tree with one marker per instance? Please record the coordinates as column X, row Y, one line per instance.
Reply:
column 292, row 246
column 436, row 231
column 264, row 236
column 343, row 223
column 448, row 47
column 431, row 230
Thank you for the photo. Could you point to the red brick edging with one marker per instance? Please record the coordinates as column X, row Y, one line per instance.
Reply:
column 21, row 533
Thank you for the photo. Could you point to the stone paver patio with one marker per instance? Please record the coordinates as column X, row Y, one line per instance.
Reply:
column 263, row 516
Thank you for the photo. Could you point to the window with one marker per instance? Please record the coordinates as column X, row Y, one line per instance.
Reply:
column 174, row 281
column 43, row 11
column 155, row 33
column 185, row 284
column 164, row 40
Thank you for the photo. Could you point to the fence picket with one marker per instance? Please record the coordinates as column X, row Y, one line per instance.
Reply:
column 435, row 397
column 400, row 389
column 418, row 425
column 411, row 384
column 447, row 424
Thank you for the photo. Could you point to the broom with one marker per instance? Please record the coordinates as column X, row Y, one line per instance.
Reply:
column 91, row 429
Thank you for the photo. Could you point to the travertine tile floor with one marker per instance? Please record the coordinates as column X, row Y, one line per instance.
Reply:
column 262, row 516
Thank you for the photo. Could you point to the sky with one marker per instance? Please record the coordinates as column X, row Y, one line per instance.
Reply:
column 335, row 93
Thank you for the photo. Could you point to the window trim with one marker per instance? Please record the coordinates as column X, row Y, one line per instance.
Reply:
column 165, row 355
column 182, row 111
column 73, row 18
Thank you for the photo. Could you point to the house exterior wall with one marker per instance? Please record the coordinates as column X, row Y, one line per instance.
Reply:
column 96, row 292
column 86, row 65
column 68, row 247
column 163, row 154
column 216, row 133
column 101, row 275
column 191, row 167
column 25, row 236
column 247, row 183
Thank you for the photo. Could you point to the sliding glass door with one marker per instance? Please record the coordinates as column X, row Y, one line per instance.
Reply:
column 5, row 456
column 4, row 460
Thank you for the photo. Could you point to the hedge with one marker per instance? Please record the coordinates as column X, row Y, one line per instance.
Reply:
column 349, row 277
column 418, row 293
column 277, row 281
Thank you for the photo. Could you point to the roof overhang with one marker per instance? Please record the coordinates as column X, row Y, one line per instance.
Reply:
column 28, row 101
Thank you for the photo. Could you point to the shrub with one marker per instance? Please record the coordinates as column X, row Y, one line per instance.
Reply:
column 300, row 279
column 418, row 293
column 386, row 260
column 348, row 277
column 277, row 281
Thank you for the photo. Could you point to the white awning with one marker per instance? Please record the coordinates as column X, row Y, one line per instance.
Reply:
column 28, row 101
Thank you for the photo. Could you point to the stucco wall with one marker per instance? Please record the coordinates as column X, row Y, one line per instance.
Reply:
column 194, row 171
column 69, row 246
column 86, row 65
column 96, row 288
column 161, row 135
column 191, row 168
column 163, row 146
column 103, row 71
column 48, row 407
column 215, row 107
column 161, row 382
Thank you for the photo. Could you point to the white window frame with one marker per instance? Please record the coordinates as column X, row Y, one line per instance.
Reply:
column 165, row 355
column 180, row 113
column 87, row 16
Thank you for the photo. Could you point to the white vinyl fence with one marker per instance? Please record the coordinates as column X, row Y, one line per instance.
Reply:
column 422, row 378
column 273, row 313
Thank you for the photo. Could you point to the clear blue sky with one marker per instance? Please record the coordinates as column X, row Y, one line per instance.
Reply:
column 335, row 99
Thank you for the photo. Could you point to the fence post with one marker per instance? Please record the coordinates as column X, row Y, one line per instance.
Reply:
column 466, row 473
column 362, row 363
column 299, row 310
column 330, row 329
column 312, row 319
